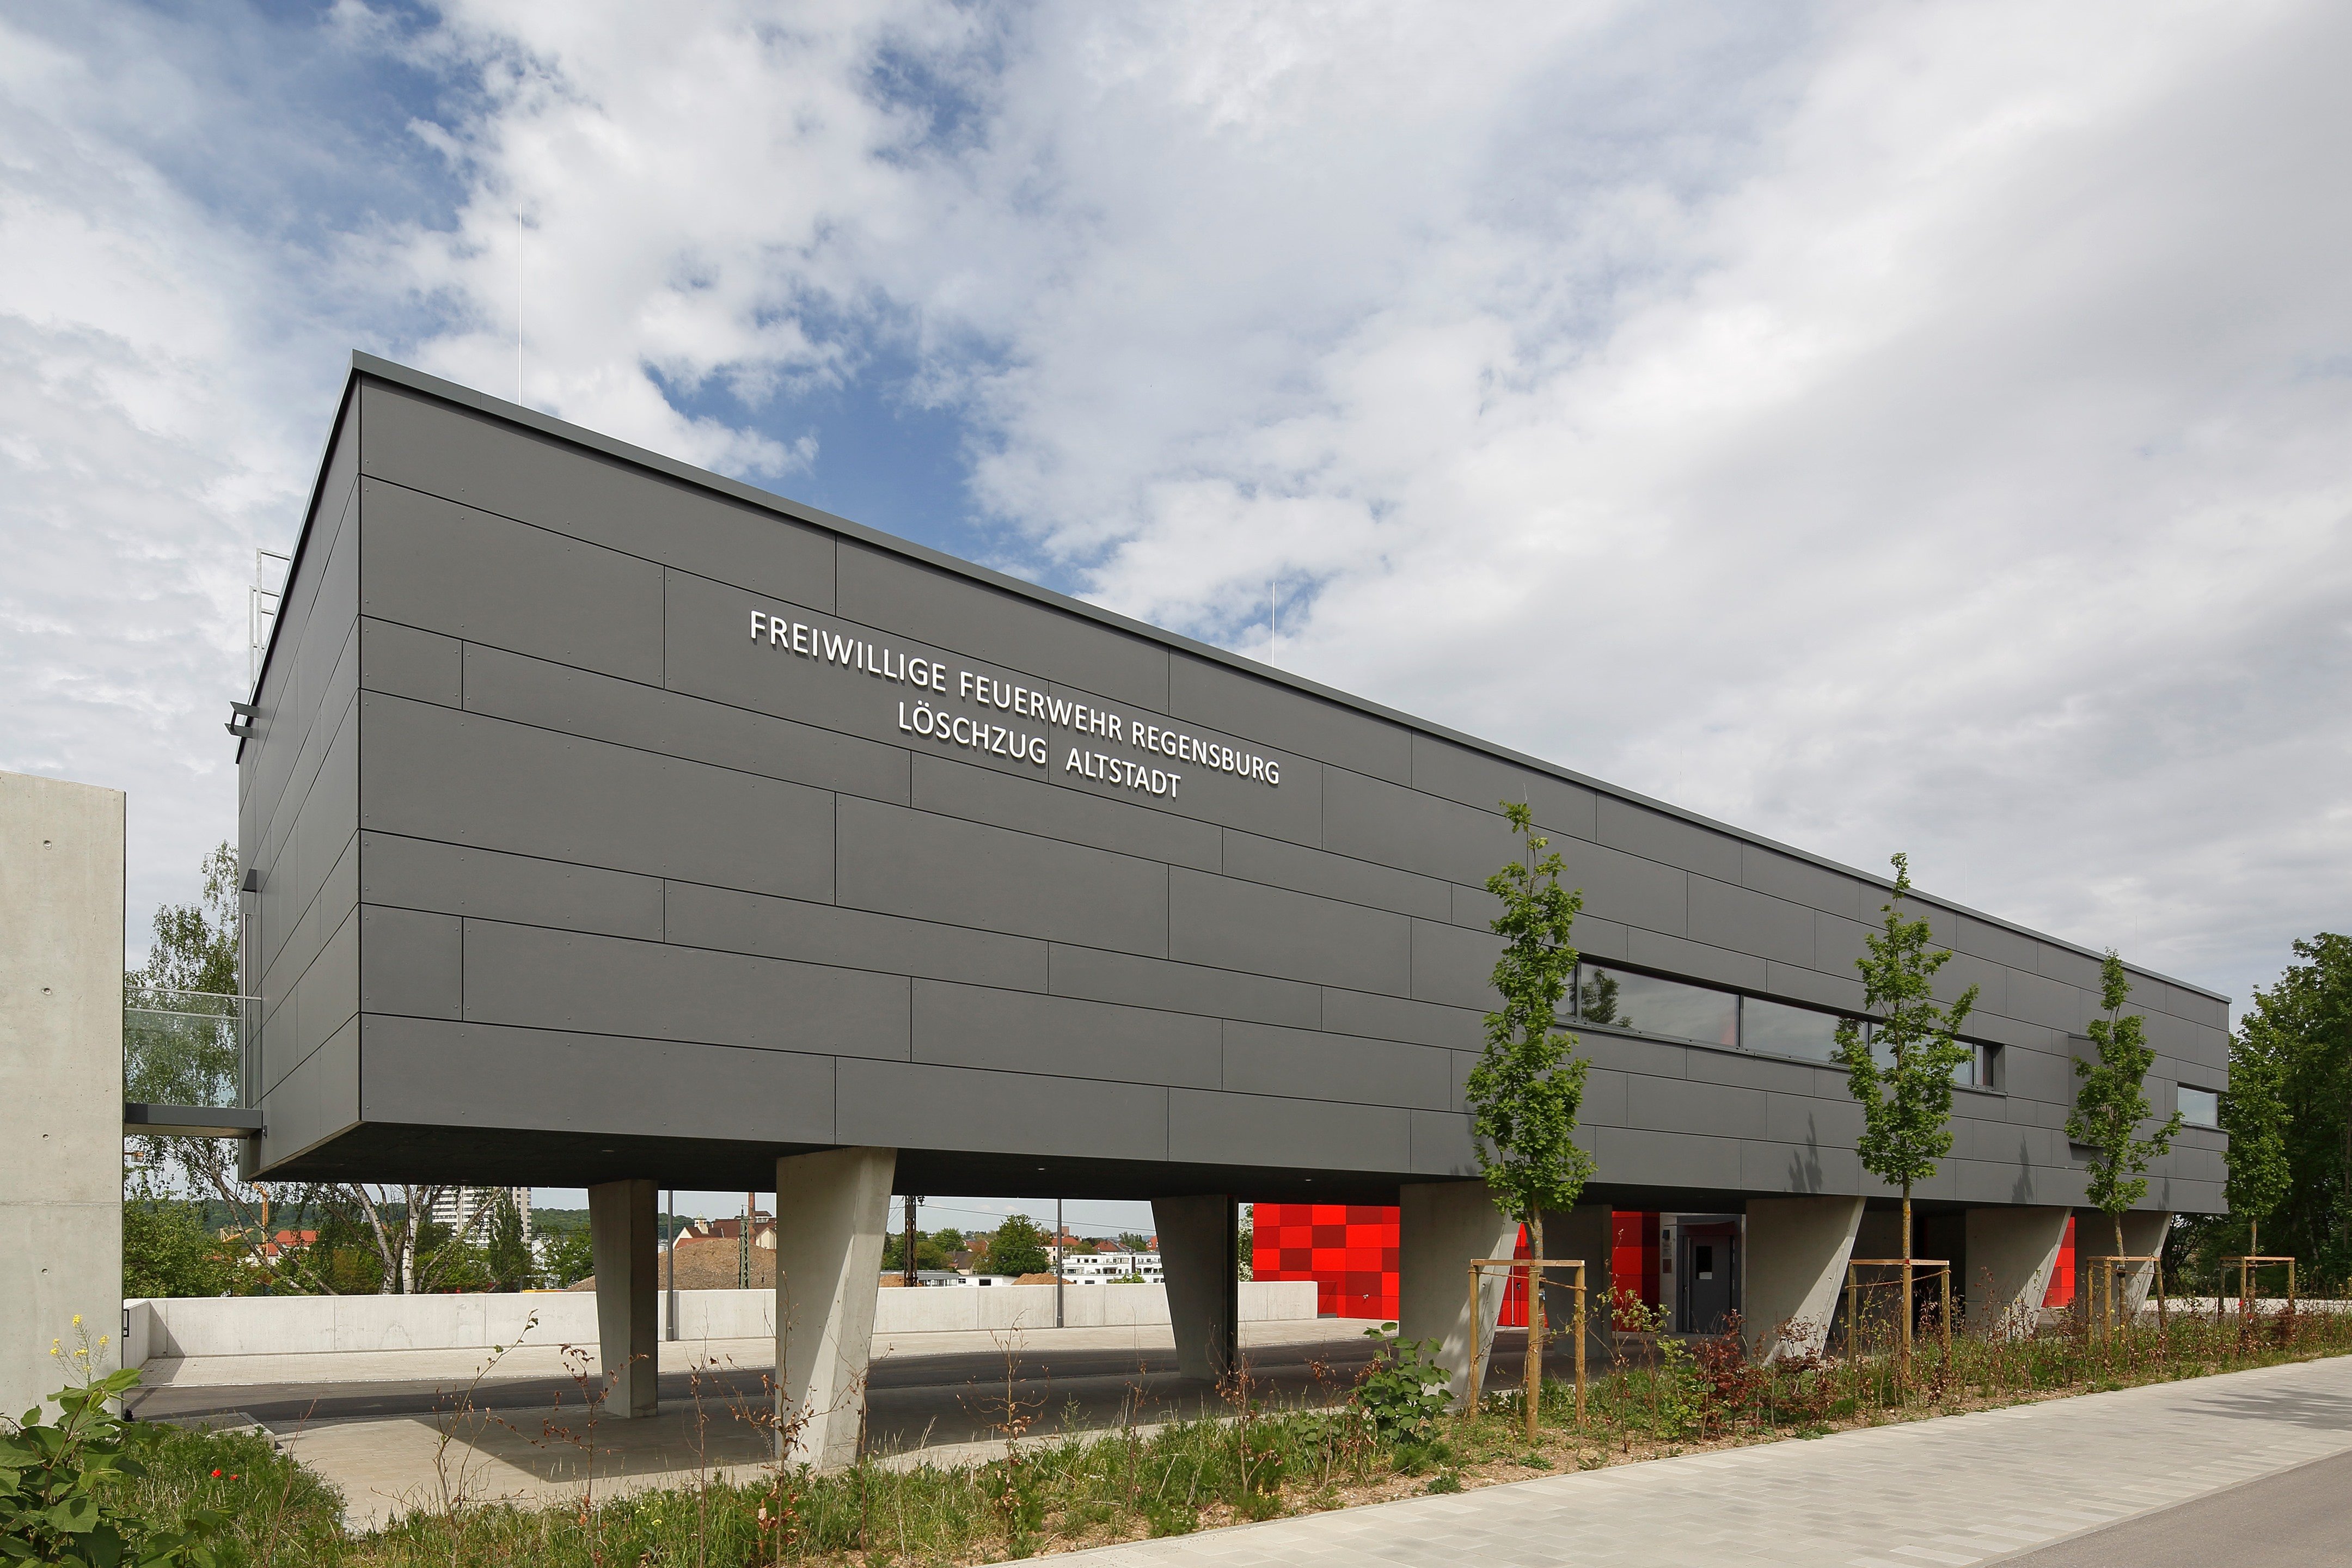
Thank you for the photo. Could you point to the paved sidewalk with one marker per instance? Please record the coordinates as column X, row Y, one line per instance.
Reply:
column 1932, row 1494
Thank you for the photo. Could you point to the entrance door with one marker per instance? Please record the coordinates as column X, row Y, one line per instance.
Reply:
column 1708, row 1262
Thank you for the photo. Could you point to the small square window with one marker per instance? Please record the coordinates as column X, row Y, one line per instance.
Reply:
column 2198, row 1106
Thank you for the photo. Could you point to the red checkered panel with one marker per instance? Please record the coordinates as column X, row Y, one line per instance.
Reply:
column 2062, row 1279
column 1349, row 1250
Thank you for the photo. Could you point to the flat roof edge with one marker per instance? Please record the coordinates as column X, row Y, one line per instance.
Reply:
column 388, row 371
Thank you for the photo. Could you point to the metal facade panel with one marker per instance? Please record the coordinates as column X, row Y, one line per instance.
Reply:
column 729, row 921
column 599, row 706
column 406, row 662
column 425, row 874
column 482, row 578
column 1309, row 1063
column 428, row 444
column 659, row 991
column 490, row 783
column 1455, row 966
column 1388, row 1017
column 1036, row 806
column 1233, row 924
column 1350, row 880
column 1104, row 976
column 1023, row 1031
column 1478, row 779
column 921, row 1105
column 1391, row 825
column 412, row 962
column 1212, row 1127
column 922, row 866
column 1270, row 714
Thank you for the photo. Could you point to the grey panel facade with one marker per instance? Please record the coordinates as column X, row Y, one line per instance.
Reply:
column 611, row 818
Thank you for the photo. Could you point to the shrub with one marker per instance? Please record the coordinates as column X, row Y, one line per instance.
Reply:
column 62, row 1486
column 1402, row 1392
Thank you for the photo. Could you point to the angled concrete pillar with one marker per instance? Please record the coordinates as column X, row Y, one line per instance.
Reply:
column 1198, row 1237
column 831, row 1212
column 1441, row 1227
column 2011, row 1253
column 1795, row 1260
column 2144, row 1234
column 1588, row 1231
column 623, row 1241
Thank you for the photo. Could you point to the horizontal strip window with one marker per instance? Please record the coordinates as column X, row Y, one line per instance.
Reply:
column 2197, row 1106
column 1709, row 1016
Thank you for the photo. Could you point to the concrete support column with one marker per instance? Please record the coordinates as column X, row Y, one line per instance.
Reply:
column 1198, row 1237
column 1441, row 1227
column 2011, row 1255
column 626, row 1249
column 1588, row 1231
column 61, row 1079
column 831, row 1212
column 2144, row 1234
column 1795, row 1259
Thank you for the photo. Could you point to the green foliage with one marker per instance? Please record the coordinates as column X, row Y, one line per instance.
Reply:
column 505, row 1252
column 1526, row 1089
column 569, row 1258
column 930, row 1251
column 63, row 1487
column 1402, row 1393
column 2111, row 1102
column 1018, row 1247
column 2255, row 1116
column 167, row 1251
column 1901, row 1074
column 1134, row 1241
column 2304, row 1023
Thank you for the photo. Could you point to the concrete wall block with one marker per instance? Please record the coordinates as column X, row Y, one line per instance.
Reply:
column 482, row 578
column 423, row 874
column 547, row 1079
column 424, row 666
column 1217, row 1129
column 1310, row 1065
column 600, row 707
column 1273, row 715
column 1455, row 966
column 1325, row 875
column 528, row 975
column 490, row 785
column 730, row 922
column 1481, row 780
column 985, row 622
column 1443, row 1226
column 1104, row 976
column 1668, row 839
column 1392, row 825
column 470, row 457
column 412, row 962
column 892, row 860
column 1232, row 924
column 1023, row 1031
column 1037, row 805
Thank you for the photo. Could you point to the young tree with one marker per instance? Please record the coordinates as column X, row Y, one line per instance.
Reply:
column 1900, row 1069
column 1018, row 1247
column 2255, row 1116
column 2305, row 1019
column 2111, row 1102
column 1527, row 1087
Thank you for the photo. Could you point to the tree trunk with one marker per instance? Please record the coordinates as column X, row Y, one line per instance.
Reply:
column 1905, row 1340
column 1535, row 1321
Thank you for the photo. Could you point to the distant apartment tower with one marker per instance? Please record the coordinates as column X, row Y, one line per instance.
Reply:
column 460, row 1208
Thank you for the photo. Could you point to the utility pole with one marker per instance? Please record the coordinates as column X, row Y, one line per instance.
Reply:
column 743, row 1249
column 669, row 1252
column 1058, row 1263
column 906, row 1264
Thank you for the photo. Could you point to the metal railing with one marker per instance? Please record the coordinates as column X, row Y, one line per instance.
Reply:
column 187, row 1048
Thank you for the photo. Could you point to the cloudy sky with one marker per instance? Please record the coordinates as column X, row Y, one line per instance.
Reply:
column 1882, row 426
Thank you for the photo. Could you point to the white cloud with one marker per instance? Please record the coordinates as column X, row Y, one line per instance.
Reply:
column 1879, row 426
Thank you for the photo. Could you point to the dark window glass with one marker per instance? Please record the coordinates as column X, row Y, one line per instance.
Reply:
column 1658, row 1006
column 1780, row 1030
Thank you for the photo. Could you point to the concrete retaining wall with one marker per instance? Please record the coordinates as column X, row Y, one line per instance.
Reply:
column 272, row 1325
